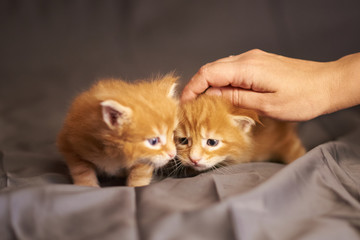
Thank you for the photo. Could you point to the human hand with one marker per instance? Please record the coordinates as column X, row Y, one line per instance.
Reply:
column 275, row 86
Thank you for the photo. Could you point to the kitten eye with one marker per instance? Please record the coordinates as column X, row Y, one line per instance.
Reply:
column 212, row 142
column 183, row 141
column 153, row 141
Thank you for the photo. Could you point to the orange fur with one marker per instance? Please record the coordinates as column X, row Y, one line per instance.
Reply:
column 241, row 136
column 112, row 126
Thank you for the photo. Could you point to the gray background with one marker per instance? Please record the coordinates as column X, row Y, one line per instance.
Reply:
column 52, row 50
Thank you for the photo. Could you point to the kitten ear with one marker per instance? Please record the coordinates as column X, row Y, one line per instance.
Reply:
column 169, row 84
column 172, row 91
column 244, row 122
column 114, row 114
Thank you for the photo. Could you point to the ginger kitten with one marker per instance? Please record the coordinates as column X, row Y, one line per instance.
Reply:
column 117, row 126
column 212, row 133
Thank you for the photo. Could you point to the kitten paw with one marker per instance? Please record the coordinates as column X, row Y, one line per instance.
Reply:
column 139, row 182
column 87, row 184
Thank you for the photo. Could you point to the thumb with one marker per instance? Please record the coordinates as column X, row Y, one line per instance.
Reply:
column 239, row 97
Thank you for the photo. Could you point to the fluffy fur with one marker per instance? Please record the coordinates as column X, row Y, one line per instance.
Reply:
column 117, row 126
column 212, row 132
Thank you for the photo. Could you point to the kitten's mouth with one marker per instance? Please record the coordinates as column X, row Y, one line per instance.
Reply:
column 155, row 164
column 194, row 165
column 198, row 167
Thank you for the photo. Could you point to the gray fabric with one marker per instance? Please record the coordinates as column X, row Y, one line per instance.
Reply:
column 316, row 197
column 51, row 50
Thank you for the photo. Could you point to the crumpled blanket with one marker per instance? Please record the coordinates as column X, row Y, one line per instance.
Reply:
column 315, row 197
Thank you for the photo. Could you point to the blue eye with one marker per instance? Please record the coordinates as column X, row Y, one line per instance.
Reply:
column 154, row 141
column 212, row 142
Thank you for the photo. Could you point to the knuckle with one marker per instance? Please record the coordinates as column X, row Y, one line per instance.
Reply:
column 235, row 97
column 256, row 52
column 203, row 71
column 253, row 58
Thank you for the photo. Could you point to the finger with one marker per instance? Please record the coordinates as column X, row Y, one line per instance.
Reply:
column 230, row 58
column 195, row 86
column 242, row 98
column 217, row 74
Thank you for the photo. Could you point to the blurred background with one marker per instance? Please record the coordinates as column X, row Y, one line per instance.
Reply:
column 52, row 50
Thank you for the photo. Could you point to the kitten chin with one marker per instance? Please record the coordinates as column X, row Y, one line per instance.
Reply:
column 213, row 133
column 117, row 126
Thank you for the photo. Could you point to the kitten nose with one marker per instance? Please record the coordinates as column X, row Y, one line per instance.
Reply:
column 195, row 161
column 171, row 154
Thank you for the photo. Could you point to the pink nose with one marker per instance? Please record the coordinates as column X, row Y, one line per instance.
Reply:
column 171, row 155
column 195, row 161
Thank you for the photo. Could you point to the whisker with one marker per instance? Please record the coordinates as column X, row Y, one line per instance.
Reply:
column 174, row 171
column 220, row 168
column 185, row 171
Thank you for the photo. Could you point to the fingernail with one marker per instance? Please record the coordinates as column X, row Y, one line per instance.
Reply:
column 213, row 91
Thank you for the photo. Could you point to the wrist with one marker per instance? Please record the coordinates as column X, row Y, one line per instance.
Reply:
column 344, row 83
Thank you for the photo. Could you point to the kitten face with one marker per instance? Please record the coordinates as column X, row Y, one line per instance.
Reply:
column 156, row 147
column 117, row 126
column 144, row 124
column 210, row 134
